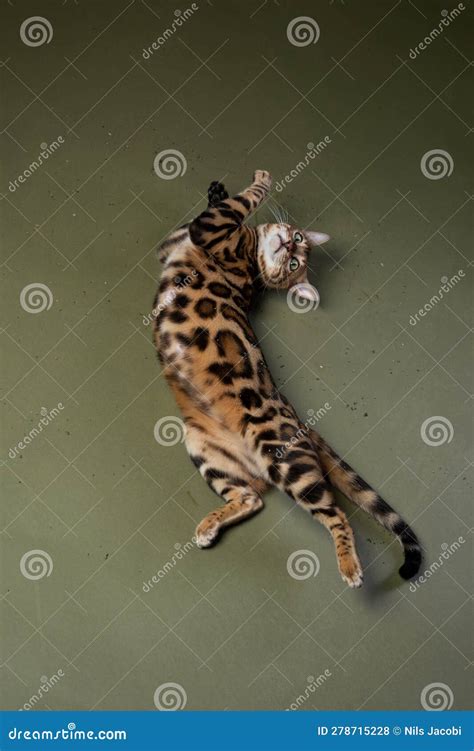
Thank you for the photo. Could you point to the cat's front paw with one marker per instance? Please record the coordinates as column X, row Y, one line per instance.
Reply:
column 263, row 177
column 216, row 193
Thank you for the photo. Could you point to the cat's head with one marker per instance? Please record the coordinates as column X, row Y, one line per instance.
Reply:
column 282, row 255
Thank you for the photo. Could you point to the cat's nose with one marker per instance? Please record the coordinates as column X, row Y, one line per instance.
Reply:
column 288, row 243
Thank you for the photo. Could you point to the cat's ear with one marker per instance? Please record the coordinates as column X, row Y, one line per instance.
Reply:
column 316, row 238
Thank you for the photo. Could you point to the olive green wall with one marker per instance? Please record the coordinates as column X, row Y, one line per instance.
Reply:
column 232, row 86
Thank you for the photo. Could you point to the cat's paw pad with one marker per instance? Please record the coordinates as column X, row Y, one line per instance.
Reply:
column 216, row 193
column 206, row 535
column 351, row 572
column 263, row 177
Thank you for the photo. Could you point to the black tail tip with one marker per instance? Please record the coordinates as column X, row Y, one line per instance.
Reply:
column 412, row 564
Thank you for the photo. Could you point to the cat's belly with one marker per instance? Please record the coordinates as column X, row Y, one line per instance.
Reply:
column 207, row 346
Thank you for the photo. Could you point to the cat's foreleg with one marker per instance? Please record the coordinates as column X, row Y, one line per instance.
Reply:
column 218, row 222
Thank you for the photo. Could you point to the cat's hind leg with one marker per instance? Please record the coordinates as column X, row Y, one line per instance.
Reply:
column 335, row 521
column 299, row 474
column 343, row 477
column 240, row 503
column 229, row 473
column 316, row 497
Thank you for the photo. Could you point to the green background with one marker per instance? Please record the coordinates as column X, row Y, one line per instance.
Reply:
column 95, row 490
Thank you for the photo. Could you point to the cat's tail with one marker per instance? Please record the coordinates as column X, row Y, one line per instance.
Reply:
column 345, row 479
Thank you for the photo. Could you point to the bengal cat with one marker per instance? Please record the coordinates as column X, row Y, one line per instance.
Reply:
column 236, row 420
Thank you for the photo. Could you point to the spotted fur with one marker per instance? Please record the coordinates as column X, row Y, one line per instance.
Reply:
column 237, row 422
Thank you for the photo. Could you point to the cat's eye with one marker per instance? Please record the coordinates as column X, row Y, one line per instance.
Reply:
column 298, row 237
column 293, row 264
